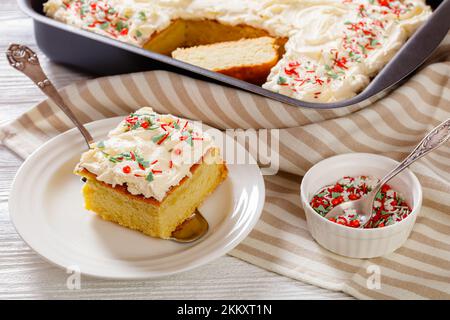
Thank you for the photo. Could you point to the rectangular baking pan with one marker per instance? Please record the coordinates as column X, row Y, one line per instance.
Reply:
column 105, row 56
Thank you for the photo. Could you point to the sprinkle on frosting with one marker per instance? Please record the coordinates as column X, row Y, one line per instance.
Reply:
column 147, row 152
column 361, row 42
column 335, row 46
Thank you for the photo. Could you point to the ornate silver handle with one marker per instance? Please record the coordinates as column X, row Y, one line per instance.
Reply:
column 25, row 60
column 434, row 139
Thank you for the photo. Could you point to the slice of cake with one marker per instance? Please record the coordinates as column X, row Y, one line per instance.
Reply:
column 188, row 33
column 151, row 173
column 248, row 59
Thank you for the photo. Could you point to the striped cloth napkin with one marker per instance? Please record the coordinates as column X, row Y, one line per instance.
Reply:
column 280, row 241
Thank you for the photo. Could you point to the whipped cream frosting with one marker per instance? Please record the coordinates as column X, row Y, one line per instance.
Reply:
column 334, row 47
column 147, row 152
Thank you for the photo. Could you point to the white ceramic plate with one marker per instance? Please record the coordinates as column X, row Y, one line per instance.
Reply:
column 47, row 209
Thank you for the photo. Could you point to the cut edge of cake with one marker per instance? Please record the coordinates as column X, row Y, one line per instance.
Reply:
column 182, row 33
column 246, row 59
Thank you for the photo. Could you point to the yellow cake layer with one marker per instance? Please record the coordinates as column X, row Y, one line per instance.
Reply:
column 247, row 59
column 169, row 39
column 189, row 33
column 153, row 218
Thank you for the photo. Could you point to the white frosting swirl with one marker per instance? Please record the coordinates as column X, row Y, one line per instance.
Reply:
column 365, row 34
column 147, row 152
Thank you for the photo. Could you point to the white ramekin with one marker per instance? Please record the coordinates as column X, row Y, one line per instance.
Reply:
column 353, row 242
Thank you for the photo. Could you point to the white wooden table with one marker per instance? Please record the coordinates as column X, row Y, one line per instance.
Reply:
column 23, row 274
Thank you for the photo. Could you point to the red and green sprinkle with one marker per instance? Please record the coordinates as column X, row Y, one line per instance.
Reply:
column 96, row 14
column 389, row 206
column 169, row 128
column 361, row 35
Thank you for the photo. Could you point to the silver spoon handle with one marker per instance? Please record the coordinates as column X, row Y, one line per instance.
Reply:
column 434, row 139
column 26, row 61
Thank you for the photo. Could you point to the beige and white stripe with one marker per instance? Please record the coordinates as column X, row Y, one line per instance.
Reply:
column 280, row 241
